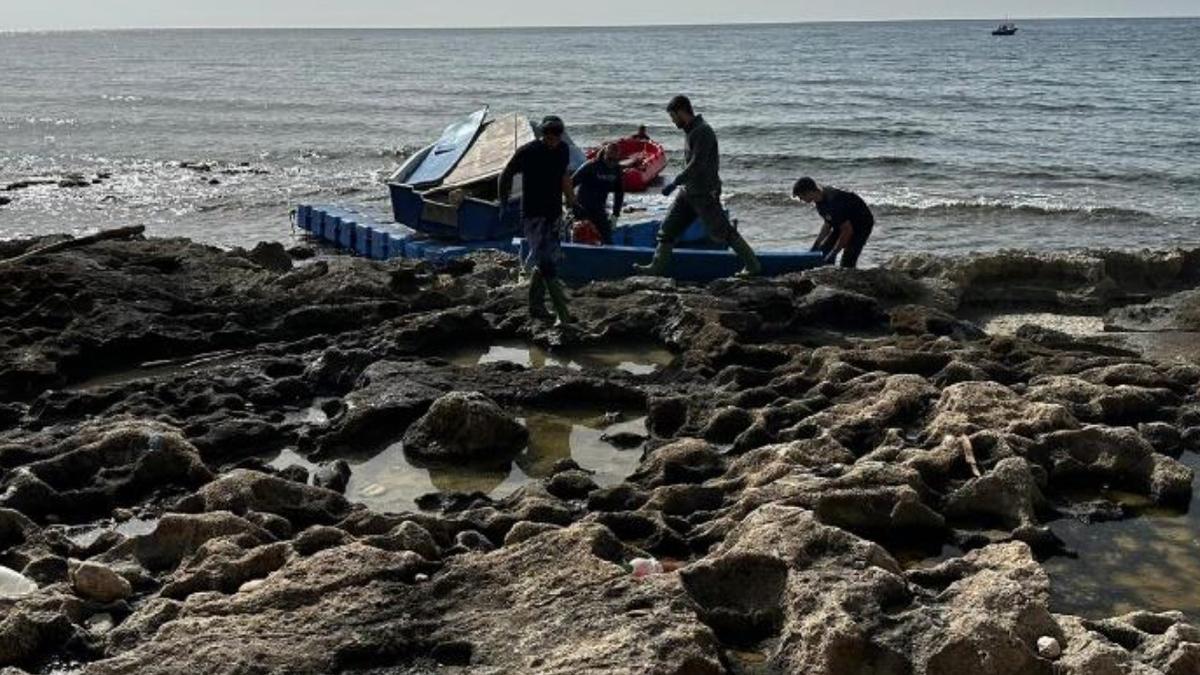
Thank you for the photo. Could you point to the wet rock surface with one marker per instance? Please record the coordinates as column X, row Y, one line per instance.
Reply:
column 812, row 432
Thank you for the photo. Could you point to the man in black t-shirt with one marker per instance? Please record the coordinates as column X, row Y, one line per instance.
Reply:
column 542, row 164
column 848, row 220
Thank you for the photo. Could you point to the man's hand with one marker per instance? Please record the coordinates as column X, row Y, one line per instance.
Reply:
column 668, row 189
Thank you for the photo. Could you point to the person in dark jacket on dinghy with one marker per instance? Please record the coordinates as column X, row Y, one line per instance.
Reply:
column 593, row 182
column 848, row 220
column 699, row 186
column 545, row 180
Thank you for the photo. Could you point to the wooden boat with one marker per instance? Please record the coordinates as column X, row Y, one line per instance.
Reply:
column 642, row 160
column 450, row 189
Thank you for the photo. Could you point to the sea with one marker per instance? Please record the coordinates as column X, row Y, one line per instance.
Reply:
column 1071, row 134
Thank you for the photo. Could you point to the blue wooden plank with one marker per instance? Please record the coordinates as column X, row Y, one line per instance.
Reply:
column 346, row 232
column 331, row 226
column 364, row 236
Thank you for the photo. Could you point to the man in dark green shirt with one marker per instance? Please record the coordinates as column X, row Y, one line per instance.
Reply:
column 700, row 196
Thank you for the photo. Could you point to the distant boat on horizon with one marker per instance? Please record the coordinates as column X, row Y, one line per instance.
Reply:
column 1007, row 28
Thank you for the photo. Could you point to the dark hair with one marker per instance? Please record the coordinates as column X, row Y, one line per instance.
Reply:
column 680, row 103
column 553, row 124
column 804, row 186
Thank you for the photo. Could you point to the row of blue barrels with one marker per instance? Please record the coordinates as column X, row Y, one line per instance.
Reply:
column 361, row 234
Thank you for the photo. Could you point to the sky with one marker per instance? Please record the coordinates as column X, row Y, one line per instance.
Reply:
column 86, row 14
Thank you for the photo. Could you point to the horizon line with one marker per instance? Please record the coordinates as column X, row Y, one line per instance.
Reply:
column 717, row 24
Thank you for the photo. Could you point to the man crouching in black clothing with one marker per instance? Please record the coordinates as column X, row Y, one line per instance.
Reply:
column 848, row 220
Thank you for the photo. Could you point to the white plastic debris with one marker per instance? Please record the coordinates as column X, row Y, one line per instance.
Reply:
column 644, row 567
column 13, row 584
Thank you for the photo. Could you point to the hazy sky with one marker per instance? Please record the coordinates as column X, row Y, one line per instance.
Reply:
column 55, row 14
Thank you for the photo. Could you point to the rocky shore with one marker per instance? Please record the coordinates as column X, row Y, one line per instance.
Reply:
column 843, row 474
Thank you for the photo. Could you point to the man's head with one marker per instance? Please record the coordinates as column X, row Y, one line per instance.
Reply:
column 806, row 190
column 553, row 130
column 680, row 110
column 642, row 130
column 611, row 154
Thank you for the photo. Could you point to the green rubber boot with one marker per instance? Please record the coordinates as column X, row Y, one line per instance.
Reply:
column 750, row 265
column 558, row 298
column 657, row 266
column 537, row 296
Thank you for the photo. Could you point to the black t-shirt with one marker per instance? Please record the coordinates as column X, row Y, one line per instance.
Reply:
column 542, row 171
column 838, row 206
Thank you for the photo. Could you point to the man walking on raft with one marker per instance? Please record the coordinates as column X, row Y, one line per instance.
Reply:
column 545, row 180
column 699, row 195
column 848, row 220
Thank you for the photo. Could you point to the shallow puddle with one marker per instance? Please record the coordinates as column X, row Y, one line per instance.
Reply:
column 1149, row 562
column 389, row 482
column 159, row 370
column 639, row 359
column 1159, row 345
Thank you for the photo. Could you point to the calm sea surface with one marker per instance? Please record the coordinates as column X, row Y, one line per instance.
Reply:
column 1071, row 134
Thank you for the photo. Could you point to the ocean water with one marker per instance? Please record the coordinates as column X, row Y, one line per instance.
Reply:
column 1074, row 133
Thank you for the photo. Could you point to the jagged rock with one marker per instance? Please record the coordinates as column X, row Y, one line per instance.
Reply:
column 242, row 490
column 571, row 485
column 687, row 460
column 465, row 426
column 1140, row 642
column 15, row 528
column 727, row 424
column 667, row 416
column 838, row 308
column 47, row 570
column 1008, row 494
column 97, row 582
column 271, row 256
column 923, row 319
column 118, row 462
column 30, row 632
column 471, row 540
column 1118, row 455
column 178, row 536
column 381, row 408
column 527, row 530
column 622, row 497
column 223, row 565
column 969, row 407
column 320, row 537
column 860, row 426
column 410, row 536
column 333, row 475
column 278, row 526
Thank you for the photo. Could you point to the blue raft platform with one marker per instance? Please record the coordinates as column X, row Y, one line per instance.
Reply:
column 695, row 259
